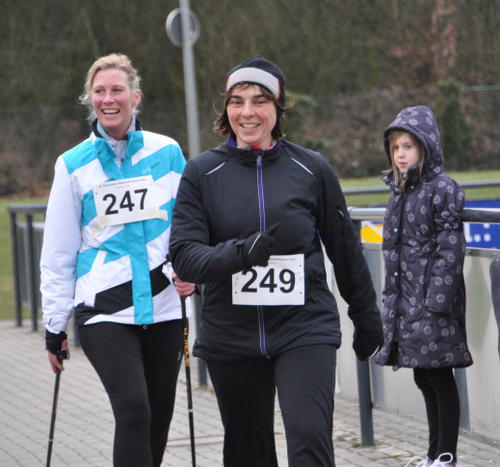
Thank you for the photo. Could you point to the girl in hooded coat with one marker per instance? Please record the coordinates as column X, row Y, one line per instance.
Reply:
column 424, row 293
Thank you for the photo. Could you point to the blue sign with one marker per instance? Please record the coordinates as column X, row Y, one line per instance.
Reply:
column 483, row 235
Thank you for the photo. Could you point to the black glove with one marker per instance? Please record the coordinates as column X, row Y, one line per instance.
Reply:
column 293, row 235
column 53, row 343
column 366, row 343
column 258, row 247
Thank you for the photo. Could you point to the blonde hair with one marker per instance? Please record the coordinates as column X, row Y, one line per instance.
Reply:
column 116, row 61
column 391, row 137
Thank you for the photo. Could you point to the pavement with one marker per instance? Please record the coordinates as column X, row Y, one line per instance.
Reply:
column 84, row 426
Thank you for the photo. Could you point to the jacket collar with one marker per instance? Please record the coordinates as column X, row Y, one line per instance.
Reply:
column 249, row 156
column 96, row 131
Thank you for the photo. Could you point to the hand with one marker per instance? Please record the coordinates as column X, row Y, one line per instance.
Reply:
column 366, row 344
column 58, row 350
column 184, row 289
column 258, row 247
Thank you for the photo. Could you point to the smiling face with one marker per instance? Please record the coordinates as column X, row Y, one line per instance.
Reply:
column 252, row 116
column 405, row 151
column 113, row 101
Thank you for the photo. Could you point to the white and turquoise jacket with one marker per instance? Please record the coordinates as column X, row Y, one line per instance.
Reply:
column 107, row 272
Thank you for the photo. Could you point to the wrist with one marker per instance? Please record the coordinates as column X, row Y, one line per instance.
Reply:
column 53, row 341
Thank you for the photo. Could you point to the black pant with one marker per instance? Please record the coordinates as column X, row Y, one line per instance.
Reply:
column 138, row 366
column 305, row 380
column 443, row 409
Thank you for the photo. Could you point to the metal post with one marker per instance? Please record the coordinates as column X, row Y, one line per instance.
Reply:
column 202, row 366
column 15, row 268
column 31, row 271
column 193, row 133
column 365, row 403
column 373, row 259
column 193, row 130
column 364, row 391
column 463, row 395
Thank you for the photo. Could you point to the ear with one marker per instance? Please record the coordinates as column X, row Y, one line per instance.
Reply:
column 137, row 98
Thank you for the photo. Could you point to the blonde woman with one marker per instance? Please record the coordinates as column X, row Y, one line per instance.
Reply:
column 105, row 243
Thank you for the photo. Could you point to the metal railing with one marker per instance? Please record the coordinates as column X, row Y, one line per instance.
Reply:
column 25, row 260
column 476, row 215
column 385, row 188
column 363, row 368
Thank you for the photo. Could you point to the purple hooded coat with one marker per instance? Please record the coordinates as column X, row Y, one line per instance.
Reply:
column 424, row 248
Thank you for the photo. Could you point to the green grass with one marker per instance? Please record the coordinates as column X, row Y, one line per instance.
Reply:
column 6, row 280
column 460, row 177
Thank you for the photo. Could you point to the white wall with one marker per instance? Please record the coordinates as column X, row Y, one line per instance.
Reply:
column 395, row 390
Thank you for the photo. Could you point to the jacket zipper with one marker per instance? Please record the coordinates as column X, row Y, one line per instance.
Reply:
column 399, row 314
column 262, row 227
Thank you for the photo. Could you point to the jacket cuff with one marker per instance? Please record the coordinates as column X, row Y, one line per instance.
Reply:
column 368, row 321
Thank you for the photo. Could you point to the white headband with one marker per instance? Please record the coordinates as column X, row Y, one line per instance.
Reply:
column 254, row 75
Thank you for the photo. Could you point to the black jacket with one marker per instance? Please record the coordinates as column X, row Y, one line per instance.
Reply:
column 218, row 206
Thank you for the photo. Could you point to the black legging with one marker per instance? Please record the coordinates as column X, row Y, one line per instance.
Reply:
column 304, row 378
column 138, row 366
column 443, row 409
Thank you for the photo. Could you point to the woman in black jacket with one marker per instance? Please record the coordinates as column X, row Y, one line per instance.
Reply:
column 250, row 220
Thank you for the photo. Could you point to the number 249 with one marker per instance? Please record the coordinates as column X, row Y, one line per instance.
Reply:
column 286, row 279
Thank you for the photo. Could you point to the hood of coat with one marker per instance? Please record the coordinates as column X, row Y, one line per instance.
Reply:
column 421, row 123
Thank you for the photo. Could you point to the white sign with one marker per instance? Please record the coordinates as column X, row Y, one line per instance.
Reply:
column 174, row 26
column 126, row 200
column 281, row 282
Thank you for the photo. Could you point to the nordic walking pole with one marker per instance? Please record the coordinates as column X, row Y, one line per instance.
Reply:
column 187, row 362
column 61, row 355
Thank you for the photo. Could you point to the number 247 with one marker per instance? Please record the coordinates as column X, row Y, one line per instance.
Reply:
column 126, row 201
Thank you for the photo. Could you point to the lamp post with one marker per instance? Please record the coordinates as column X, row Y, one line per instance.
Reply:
column 183, row 30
